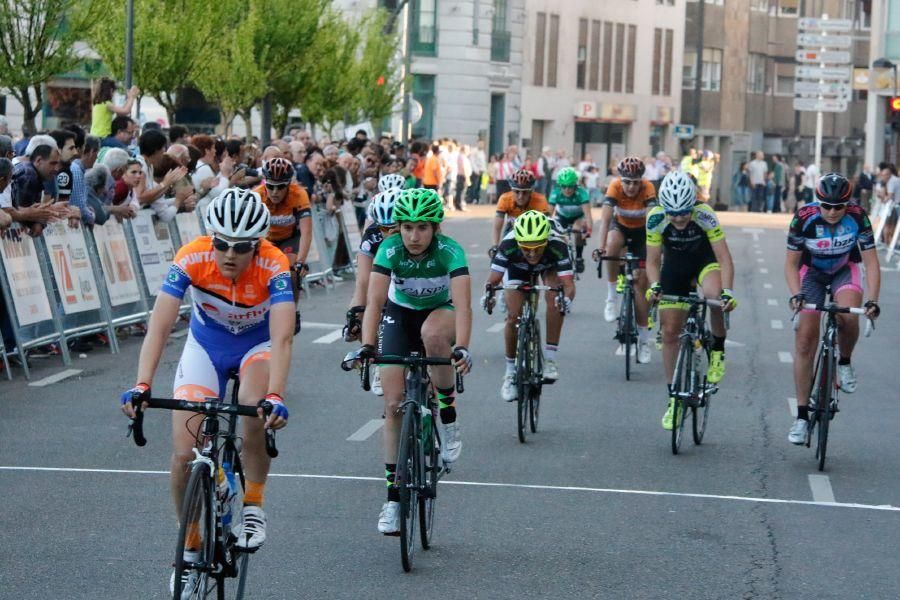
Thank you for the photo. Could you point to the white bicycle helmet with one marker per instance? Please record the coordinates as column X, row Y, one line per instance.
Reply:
column 391, row 181
column 677, row 192
column 238, row 214
column 383, row 207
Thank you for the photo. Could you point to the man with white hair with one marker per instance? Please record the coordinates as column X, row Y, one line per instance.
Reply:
column 180, row 153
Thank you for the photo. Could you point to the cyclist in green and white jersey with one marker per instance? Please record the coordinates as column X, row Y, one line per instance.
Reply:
column 419, row 296
column 572, row 208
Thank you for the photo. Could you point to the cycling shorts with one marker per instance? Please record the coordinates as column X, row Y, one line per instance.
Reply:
column 635, row 240
column 682, row 272
column 202, row 374
column 289, row 245
column 813, row 282
column 568, row 220
column 400, row 331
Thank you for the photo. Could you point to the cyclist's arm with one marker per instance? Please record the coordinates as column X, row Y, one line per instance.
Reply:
column 606, row 215
column 723, row 257
column 494, row 277
column 792, row 270
column 281, row 333
column 588, row 217
column 654, row 260
column 873, row 273
column 165, row 312
column 363, row 270
column 306, row 235
column 461, row 294
column 375, row 299
column 499, row 221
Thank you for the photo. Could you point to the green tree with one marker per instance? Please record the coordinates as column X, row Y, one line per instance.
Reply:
column 171, row 41
column 37, row 41
column 376, row 72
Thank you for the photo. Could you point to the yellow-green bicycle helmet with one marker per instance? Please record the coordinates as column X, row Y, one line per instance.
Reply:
column 532, row 227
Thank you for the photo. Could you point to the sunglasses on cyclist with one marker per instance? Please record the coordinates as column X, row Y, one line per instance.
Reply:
column 276, row 186
column 828, row 206
column 532, row 247
column 568, row 187
column 242, row 247
column 678, row 213
column 631, row 181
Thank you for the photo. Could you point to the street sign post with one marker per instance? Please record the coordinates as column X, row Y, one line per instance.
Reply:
column 820, row 104
column 825, row 24
column 824, row 88
column 683, row 131
column 823, row 56
column 829, row 73
column 815, row 40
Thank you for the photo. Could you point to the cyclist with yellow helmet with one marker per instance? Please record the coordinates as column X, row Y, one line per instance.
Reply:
column 526, row 250
column 572, row 208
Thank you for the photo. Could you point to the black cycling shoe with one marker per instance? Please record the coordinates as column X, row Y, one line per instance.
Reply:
column 579, row 265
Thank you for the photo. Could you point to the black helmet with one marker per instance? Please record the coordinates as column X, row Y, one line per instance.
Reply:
column 833, row 188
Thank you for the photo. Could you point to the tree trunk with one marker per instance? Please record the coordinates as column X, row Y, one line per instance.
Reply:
column 248, row 124
column 167, row 102
column 29, row 110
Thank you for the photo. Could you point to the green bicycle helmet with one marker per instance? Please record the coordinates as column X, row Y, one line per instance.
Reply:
column 419, row 204
column 567, row 177
column 532, row 227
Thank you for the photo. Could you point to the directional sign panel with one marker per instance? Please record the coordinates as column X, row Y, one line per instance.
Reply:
column 683, row 131
column 825, row 24
column 826, row 88
column 820, row 104
column 830, row 73
column 815, row 40
column 819, row 56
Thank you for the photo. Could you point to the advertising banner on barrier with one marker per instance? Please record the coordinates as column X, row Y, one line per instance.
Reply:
column 348, row 211
column 116, row 261
column 155, row 249
column 188, row 227
column 26, row 284
column 71, row 265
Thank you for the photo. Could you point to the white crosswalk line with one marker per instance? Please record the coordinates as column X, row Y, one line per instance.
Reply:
column 330, row 338
column 496, row 327
column 314, row 325
column 777, row 324
column 366, row 431
column 767, row 286
column 55, row 378
column 764, row 270
column 821, row 488
column 772, row 302
column 785, row 357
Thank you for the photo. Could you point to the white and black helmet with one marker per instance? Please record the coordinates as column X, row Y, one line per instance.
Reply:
column 391, row 181
column 238, row 214
column 677, row 192
column 382, row 209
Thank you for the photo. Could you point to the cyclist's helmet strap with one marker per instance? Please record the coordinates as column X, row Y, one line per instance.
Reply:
column 834, row 188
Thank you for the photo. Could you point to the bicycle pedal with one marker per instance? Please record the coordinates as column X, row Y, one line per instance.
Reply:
column 546, row 381
column 394, row 534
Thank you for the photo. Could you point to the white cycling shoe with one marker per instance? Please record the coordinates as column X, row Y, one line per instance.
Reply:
column 644, row 353
column 508, row 390
column 847, row 375
column 389, row 519
column 610, row 311
column 188, row 579
column 251, row 532
column 551, row 371
column 451, row 444
column 376, row 381
column 799, row 432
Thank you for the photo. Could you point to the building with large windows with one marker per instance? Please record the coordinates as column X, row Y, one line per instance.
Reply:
column 601, row 78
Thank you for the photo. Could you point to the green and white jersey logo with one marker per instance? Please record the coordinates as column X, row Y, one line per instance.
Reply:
column 423, row 283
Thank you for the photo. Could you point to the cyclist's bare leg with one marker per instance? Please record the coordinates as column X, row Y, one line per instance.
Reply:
column 183, row 441
column 671, row 321
column 712, row 289
column 254, row 385
column 514, row 300
column 641, row 305
column 848, row 325
column 438, row 333
column 615, row 242
column 392, row 381
column 554, row 317
column 805, row 343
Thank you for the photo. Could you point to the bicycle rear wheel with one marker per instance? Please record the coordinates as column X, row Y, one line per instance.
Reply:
column 428, row 497
column 198, row 524
column 823, row 412
column 240, row 560
column 534, row 396
column 523, row 369
column 407, row 479
column 681, row 387
column 628, row 329
column 700, row 412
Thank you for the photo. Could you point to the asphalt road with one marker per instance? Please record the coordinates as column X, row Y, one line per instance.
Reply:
column 594, row 505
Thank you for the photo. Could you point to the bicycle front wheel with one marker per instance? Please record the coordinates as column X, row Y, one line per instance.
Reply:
column 197, row 535
column 628, row 330
column 534, row 395
column 700, row 412
column 823, row 412
column 680, row 389
column 407, row 479
column 523, row 372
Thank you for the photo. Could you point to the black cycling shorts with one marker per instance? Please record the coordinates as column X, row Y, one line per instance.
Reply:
column 635, row 240
column 400, row 331
column 290, row 245
column 681, row 272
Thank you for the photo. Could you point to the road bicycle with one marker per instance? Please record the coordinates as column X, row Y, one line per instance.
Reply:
column 419, row 464
column 529, row 352
column 213, row 497
column 567, row 234
column 823, row 400
column 626, row 323
column 690, row 389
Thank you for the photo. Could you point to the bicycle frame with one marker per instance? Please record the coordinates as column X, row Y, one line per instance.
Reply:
column 626, row 327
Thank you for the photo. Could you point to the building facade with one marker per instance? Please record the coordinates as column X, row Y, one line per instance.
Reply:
column 882, row 123
column 602, row 78
column 743, row 101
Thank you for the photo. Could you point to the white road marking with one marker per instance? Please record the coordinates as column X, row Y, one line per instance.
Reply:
column 764, row 270
column 760, row 260
column 767, row 286
column 754, row 231
column 757, row 251
column 366, row 431
column 734, row 344
column 777, row 324
column 497, row 327
column 180, row 333
column 314, row 325
column 792, row 406
column 821, row 489
column 522, row 486
column 474, row 245
column 56, row 377
column 785, row 357
column 330, row 338
column 772, row 302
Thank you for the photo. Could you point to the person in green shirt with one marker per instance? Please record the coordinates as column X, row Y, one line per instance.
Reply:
column 103, row 108
column 572, row 208
column 419, row 295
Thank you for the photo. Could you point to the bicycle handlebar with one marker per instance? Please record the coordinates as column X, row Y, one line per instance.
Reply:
column 408, row 361
column 213, row 407
column 691, row 300
column 834, row 309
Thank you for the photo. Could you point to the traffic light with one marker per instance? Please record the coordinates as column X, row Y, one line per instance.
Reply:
column 895, row 114
column 895, row 105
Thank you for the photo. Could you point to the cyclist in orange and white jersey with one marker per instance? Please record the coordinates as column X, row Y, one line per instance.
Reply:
column 243, row 323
